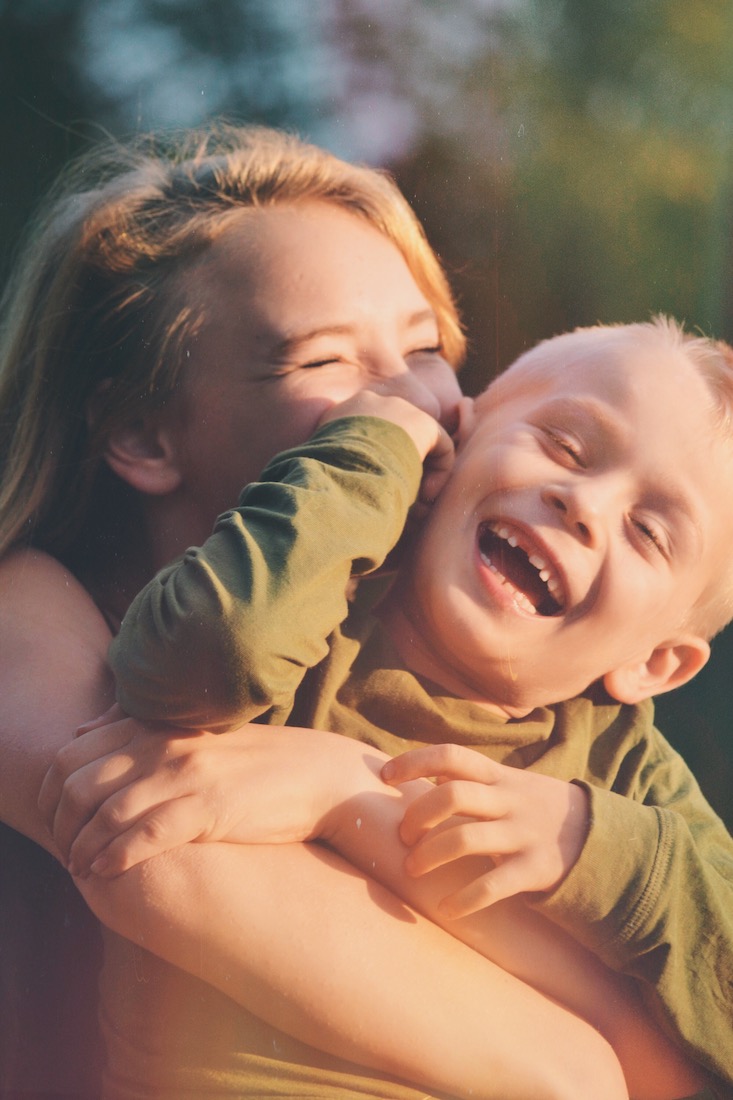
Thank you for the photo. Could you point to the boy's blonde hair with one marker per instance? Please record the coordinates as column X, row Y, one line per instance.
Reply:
column 92, row 317
column 713, row 359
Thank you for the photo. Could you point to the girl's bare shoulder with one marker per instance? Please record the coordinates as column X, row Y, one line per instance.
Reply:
column 40, row 597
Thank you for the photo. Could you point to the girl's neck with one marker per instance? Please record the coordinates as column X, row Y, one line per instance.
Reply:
column 114, row 583
column 114, row 557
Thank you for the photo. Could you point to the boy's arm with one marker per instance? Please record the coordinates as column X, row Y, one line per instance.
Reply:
column 228, row 631
column 649, row 890
column 652, row 895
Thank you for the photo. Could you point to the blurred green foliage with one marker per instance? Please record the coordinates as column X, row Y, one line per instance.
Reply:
column 580, row 167
column 572, row 160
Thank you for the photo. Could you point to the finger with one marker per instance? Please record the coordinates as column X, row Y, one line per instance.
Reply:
column 77, row 754
column 170, row 825
column 431, row 485
column 115, row 713
column 465, row 420
column 85, row 791
column 128, row 802
column 490, row 839
column 121, row 808
column 504, row 881
column 454, row 798
column 453, row 761
column 438, row 465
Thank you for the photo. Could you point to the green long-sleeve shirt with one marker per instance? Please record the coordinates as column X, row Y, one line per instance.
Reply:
column 231, row 631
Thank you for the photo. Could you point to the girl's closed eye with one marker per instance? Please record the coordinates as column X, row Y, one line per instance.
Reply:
column 322, row 361
column 435, row 349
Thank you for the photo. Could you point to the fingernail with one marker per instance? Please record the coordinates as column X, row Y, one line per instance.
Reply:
column 100, row 865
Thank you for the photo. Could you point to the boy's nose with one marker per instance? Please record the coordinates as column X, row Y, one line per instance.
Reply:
column 579, row 511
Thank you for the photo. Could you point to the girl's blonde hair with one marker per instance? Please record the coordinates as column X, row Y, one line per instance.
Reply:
column 92, row 317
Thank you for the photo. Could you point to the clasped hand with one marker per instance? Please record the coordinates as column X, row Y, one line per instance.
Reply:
column 124, row 791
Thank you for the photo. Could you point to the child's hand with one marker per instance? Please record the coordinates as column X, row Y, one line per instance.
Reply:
column 531, row 826
column 433, row 443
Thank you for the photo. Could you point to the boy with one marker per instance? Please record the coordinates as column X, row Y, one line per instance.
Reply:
column 579, row 546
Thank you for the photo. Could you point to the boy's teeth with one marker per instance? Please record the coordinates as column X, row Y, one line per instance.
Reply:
column 519, row 597
column 544, row 570
column 521, row 600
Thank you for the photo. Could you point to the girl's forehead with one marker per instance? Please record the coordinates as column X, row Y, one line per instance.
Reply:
column 295, row 241
column 311, row 264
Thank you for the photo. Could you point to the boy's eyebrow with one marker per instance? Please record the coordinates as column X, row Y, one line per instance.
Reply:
column 286, row 347
column 611, row 423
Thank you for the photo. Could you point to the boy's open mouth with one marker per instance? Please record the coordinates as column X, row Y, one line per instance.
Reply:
column 536, row 584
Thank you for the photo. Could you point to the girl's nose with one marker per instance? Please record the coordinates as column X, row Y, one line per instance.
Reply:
column 434, row 389
column 402, row 382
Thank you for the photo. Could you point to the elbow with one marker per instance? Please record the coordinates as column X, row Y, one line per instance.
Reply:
column 206, row 679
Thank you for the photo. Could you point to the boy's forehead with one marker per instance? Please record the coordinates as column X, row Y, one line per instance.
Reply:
column 586, row 361
column 551, row 369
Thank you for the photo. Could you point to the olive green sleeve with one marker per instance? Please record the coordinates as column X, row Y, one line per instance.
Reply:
column 652, row 895
column 228, row 631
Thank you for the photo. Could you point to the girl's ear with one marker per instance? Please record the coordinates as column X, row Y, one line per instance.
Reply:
column 668, row 666
column 142, row 454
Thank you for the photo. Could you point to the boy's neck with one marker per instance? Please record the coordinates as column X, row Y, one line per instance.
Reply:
column 419, row 658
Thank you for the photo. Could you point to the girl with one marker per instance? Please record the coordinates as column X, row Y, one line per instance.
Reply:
column 183, row 315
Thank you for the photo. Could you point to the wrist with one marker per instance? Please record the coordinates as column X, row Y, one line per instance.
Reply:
column 345, row 775
column 574, row 831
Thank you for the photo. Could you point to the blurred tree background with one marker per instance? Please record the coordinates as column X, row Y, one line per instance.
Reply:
column 572, row 160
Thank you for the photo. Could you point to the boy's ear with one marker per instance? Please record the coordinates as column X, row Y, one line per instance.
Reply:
column 668, row 666
column 142, row 454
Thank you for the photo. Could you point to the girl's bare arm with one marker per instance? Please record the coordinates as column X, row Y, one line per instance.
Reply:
column 318, row 948
column 337, row 961
column 53, row 674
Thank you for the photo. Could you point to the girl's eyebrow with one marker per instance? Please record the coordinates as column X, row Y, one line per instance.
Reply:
column 420, row 317
column 286, row 347
column 283, row 348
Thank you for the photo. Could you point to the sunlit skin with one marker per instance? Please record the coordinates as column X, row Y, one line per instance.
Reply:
column 618, row 483
column 303, row 306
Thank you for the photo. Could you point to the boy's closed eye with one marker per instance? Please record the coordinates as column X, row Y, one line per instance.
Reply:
column 567, row 446
column 652, row 538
